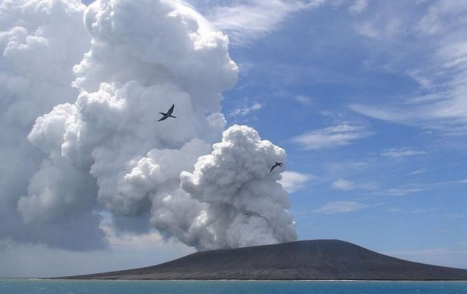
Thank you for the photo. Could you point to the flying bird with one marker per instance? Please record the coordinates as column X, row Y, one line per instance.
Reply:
column 276, row 165
column 168, row 114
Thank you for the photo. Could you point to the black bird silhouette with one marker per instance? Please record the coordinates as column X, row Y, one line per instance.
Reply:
column 276, row 165
column 168, row 114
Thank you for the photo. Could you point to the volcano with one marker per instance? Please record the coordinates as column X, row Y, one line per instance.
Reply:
column 301, row 260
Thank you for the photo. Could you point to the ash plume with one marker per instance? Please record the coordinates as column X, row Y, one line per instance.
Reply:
column 40, row 42
column 101, row 148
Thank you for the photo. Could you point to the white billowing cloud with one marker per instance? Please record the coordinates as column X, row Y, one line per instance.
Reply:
column 245, row 203
column 40, row 42
column 107, row 151
column 293, row 181
column 340, row 207
column 331, row 137
column 402, row 152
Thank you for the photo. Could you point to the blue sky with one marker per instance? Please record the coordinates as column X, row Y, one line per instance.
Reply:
column 368, row 98
column 362, row 97
column 365, row 80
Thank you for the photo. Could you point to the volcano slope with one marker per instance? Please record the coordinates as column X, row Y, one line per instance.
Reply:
column 301, row 260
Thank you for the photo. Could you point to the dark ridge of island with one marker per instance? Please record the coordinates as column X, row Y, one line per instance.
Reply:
column 301, row 260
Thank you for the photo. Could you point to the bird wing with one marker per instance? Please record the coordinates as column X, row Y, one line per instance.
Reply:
column 163, row 118
column 273, row 167
column 171, row 109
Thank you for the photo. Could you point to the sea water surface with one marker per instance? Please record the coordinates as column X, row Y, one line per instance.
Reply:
column 227, row 287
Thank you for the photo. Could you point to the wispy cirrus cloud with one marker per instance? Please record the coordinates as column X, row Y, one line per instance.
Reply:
column 456, row 182
column 416, row 188
column 440, row 68
column 402, row 152
column 415, row 211
column 332, row 137
column 346, row 185
column 358, row 7
column 397, row 191
column 303, row 100
column 340, row 207
column 244, row 111
column 247, row 20
column 342, row 184
column 419, row 171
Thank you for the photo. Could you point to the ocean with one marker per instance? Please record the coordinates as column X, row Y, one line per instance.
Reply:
column 227, row 287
